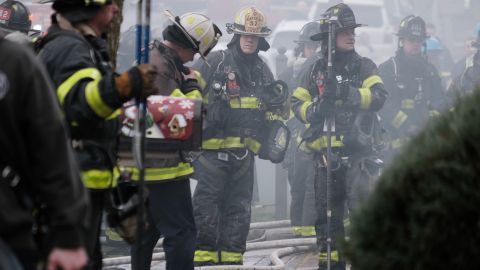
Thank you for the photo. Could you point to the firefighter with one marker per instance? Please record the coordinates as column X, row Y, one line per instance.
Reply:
column 37, row 166
column 76, row 58
column 15, row 16
column 465, row 83
column 351, row 96
column 413, row 83
column 15, row 20
column 240, row 96
column 170, row 212
column 299, row 160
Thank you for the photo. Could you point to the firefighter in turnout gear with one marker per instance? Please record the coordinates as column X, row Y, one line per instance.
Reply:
column 170, row 212
column 351, row 97
column 241, row 100
column 299, row 160
column 37, row 167
column 89, row 92
column 465, row 83
column 15, row 21
column 15, row 16
column 413, row 84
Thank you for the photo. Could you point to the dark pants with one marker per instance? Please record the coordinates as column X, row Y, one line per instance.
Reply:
column 222, row 201
column 169, row 214
column 351, row 183
column 337, row 197
column 94, row 248
column 301, row 173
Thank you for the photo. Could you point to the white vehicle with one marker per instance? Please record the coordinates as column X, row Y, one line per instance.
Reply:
column 285, row 33
column 376, row 39
column 283, row 36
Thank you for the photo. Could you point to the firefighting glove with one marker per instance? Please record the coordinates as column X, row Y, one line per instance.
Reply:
column 325, row 107
column 330, row 93
column 276, row 95
column 190, row 85
column 190, row 81
column 138, row 82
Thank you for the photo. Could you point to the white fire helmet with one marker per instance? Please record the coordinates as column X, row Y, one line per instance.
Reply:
column 202, row 33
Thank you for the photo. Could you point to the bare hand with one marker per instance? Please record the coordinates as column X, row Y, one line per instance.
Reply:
column 67, row 259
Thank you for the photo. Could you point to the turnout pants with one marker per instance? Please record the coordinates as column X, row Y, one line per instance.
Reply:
column 170, row 215
column 222, row 204
column 301, row 174
column 337, row 197
column 352, row 179
column 98, row 199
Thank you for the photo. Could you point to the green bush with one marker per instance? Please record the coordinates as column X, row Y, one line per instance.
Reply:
column 425, row 210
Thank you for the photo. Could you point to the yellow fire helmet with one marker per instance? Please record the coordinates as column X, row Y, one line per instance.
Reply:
column 249, row 21
column 200, row 31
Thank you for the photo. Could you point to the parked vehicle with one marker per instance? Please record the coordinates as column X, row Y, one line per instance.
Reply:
column 283, row 40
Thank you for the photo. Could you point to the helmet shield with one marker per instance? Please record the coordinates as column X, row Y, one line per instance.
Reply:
column 249, row 21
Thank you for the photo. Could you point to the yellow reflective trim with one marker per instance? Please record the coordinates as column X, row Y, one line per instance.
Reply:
column 291, row 115
column 205, row 99
column 200, row 79
column 445, row 74
column 399, row 119
column 323, row 256
column 95, row 101
column 302, row 94
column 115, row 114
column 231, row 142
column 199, row 31
column 67, row 85
column 206, row 256
column 365, row 98
column 112, row 235
column 270, row 116
column 303, row 110
column 408, row 104
column 158, row 174
column 177, row 93
column 195, row 94
column 303, row 147
column 245, row 103
column 371, row 81
column 190, row 19
column 307, row 231
column 321, row 143
column 297, row 230
column 395, row 144
column 433, row 113
column 97, row 179
column 469, row 61
column 346, row 222
column 226, row 256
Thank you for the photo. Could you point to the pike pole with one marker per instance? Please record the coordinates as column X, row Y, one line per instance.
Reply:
column 142, row 56
column 329, row 126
